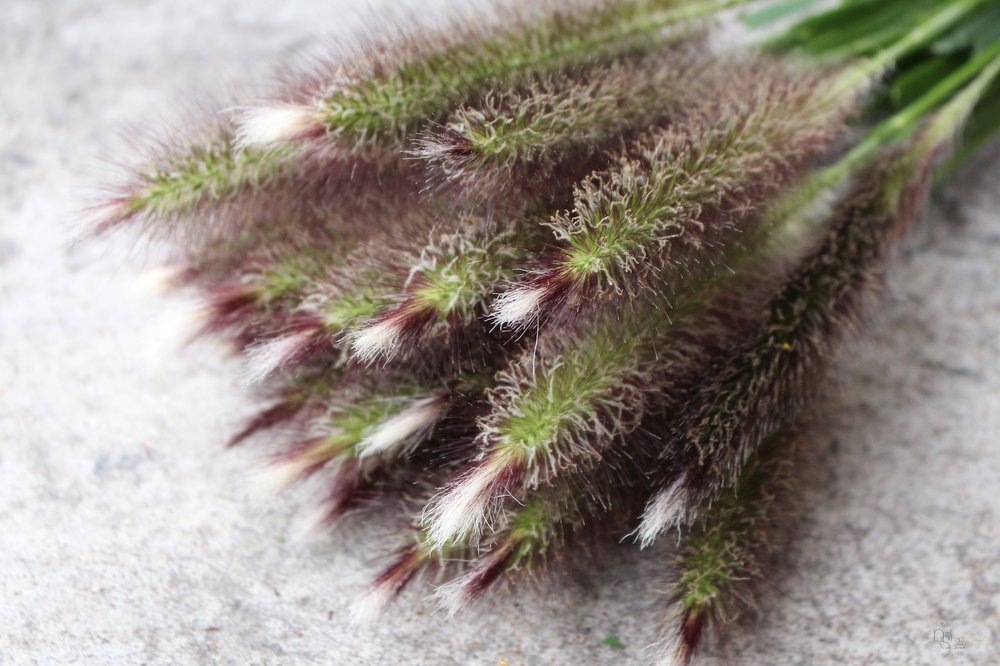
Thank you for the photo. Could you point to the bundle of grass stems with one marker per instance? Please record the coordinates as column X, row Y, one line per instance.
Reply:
column 566, row 275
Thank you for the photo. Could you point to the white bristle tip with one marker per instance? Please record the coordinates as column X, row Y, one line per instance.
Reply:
column 370, row 607
column 460, row 511
column 517, row 306
column 376, row 340
column 402, row 429
column 265, row 358
column 273, row 126
column 663, row 510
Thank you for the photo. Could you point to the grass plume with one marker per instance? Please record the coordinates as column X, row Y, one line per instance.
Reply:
column 528, row 285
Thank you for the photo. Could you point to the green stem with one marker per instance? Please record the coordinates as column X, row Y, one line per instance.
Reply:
column 903, row 123
column 895, row 129
column 951, row 117
column 919, row 36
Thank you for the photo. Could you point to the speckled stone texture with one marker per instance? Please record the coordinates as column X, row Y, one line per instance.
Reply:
column 128, row 535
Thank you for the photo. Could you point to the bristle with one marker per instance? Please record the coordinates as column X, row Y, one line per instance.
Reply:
column 405, row 428
column 307, row 458
column 387, row 586
column 462, row 591
column 680, row 647
column 379, row 339
column 665, row 509
column 161, row 280
column 518, row 307
column 462, row 511
column 266, row 357
column 272, row 126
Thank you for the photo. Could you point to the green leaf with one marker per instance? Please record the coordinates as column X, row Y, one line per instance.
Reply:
column 613, row 642
column 982, row 126
column 776, row 12
column 920, row 78
column 865, row 27
column 977, row 33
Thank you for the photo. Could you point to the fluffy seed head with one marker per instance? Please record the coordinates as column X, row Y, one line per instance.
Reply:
column 404, row 86
column 544, row 139
column 723, row 558
column 683, row 194
column 765, row 378
column 447, row 282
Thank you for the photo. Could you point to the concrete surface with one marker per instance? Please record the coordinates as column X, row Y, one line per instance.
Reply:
column 127, row 535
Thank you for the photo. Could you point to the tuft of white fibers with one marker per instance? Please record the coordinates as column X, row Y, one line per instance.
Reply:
column 265, row 358
column 310, row 524
column 460, row 512
column 406, row 428
column 282, row 474
column 671, row 650
column 380, row 338
column 275, row 125
column 454, row 595
column 517, row 307
column 159, row 280
column 664, row 509
column 368, row 608
column 174, row 329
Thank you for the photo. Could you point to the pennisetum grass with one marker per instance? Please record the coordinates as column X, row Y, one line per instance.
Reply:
column 565, row 274
column 686, row 192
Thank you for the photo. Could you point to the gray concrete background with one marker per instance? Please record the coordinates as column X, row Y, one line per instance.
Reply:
column 127, row 534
